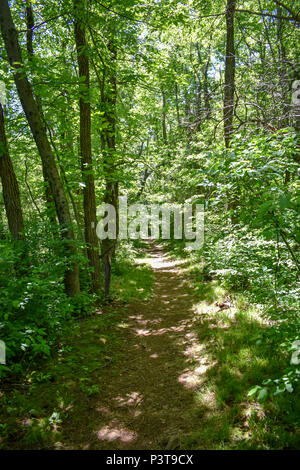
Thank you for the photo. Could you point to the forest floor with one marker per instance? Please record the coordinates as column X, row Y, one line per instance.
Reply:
column 149, row 403
column 171, row 371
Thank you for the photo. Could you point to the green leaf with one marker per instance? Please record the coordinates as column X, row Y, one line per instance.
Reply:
column 262, row 395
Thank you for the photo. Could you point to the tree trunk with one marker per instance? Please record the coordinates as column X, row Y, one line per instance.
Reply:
column 10, row 187
column 296, row 105
column 89, row 198
column 206, row 90
column 32, row 113
column 29, row 26
column 284, row 118
column 29, row 46
column 177, row 105
column 164, row 125
column 108, row 138
column 204, row 70
column 228, row 109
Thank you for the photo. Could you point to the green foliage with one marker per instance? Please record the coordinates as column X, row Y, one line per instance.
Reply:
column 34, row 308
column 161, row 140
column 59, row 387
column 238, row 351
column 253, row 247
column 130, row 281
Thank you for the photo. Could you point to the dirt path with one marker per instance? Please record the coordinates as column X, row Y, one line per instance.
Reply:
column 147, row 400
column 170, row 372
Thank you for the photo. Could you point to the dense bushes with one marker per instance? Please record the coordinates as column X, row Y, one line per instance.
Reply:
column 33, row 305
column 252, row 238
column 34, row 308
column 253, row 247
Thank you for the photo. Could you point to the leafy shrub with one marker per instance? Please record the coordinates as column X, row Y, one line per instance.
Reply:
column 33, row 305
column 252, row 237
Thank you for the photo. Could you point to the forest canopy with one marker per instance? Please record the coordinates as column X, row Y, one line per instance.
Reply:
column 161, row 102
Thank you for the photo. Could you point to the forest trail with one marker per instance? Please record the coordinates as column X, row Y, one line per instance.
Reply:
column 147, row 399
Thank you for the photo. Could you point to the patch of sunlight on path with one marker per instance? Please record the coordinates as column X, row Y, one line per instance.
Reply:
column 159, row 260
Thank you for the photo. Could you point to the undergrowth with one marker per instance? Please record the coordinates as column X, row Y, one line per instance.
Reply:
column 40, row 390
column 248, row 399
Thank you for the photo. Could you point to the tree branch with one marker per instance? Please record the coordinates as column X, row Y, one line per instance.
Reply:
column 260, row 13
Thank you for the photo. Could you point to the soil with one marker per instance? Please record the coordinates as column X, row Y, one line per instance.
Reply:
column 147, row 401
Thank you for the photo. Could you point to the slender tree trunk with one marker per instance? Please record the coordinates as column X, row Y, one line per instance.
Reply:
column 228, row 109
column 204, row 70
column 10, row 187
column 108, row 138
column 284, row 118
column 32, row 113
column 2, row 231
column 164, row 125
column 199, row 113
column 206, row 90
column 296, row 105
column 108, row 92
column 177, row 105
column 296, row 114
column 75, row 204
column 89, row 198
column 29, row 26
column 67, row 148
column 199, row 108
column 187, row 113
column 29, row 46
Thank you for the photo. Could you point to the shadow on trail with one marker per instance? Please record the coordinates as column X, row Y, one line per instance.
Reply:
column 147, row 398
column 183, row 375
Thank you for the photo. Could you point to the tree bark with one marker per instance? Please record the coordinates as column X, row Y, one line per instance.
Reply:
column 204, row 70
column 33, row 116
column 29, row 26
column 164, row 125
column 10, row 187
column 108, row 138
column 228, row 109
column 177, row 105
column 89, row 198
column 283, row 74
column 29, row 46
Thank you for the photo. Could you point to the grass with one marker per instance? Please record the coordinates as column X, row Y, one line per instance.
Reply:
column 33, row 409
column 236, row 353
column 34, row 404
column 240, row 354
column 128, row 283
